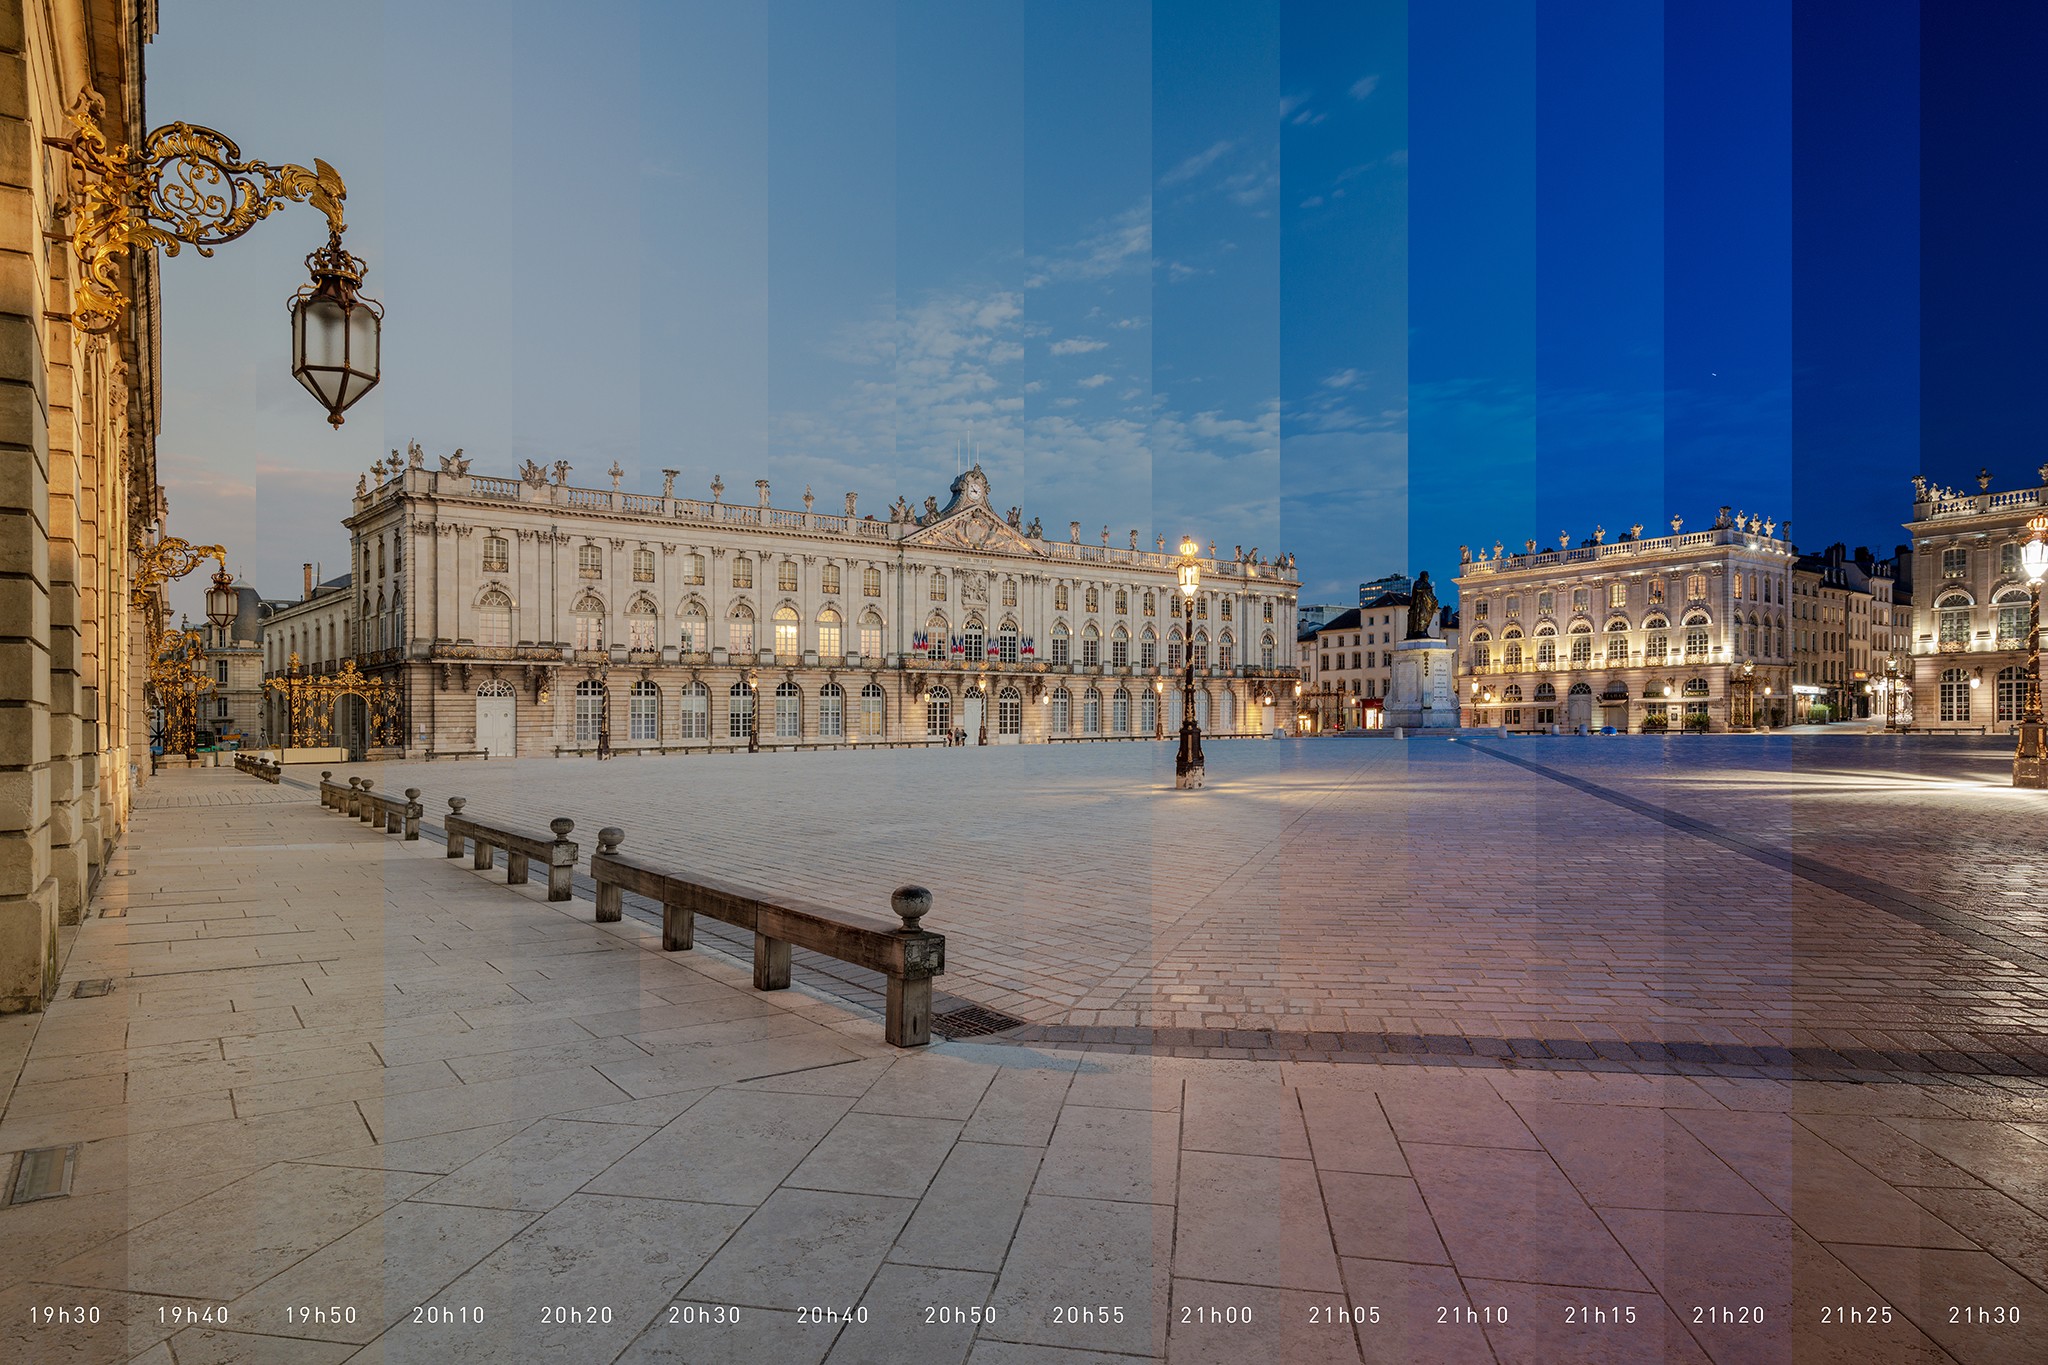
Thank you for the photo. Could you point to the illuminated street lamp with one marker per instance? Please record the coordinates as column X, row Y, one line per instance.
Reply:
column 2030, row 749
column 336, row 332
column 1188, row 767
column 753, row 711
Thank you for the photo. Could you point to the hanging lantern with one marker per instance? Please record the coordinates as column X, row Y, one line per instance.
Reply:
column 222, row 605
column 336, row 333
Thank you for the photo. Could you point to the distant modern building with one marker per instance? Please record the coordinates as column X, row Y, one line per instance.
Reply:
column 529, row 616
column 1689, row 629
column 1970, row 601
column 1396, row 584
column 1310, row 617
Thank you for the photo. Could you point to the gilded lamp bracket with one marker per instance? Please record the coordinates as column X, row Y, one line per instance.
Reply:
column 186, row 186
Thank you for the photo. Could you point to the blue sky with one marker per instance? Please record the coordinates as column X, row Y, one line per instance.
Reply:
column 1361, row 281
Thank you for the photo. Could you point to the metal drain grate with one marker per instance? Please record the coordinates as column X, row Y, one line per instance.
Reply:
column 43, row 1173
column 974, row 1021
column 85, row 990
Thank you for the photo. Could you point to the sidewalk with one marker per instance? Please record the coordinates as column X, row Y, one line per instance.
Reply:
column 345, row 1094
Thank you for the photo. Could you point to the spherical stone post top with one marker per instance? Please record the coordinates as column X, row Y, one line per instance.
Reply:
column 456, row 803
column 609, row 838
column 911, row 904
column 367, row 784
column 412, row 793
column 561, row 825
column 355, row 781
column 326, row 774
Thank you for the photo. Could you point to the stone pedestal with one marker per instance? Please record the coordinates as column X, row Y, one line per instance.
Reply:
column 1424, row 695
column 2030, row 756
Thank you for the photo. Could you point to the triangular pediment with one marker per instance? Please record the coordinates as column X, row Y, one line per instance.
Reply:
column 973, row 527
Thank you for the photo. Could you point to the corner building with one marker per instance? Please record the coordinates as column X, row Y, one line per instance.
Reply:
column 1633, row 633
column 1970, row 604
column 529, row 617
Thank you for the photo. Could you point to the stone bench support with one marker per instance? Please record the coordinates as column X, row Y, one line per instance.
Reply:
column 908, row 956
column 398, row 815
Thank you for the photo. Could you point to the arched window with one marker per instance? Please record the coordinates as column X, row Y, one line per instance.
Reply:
column 1201, row 652
column 1202, row 709
column 1696, row 635
column 1955, row 694
column 1091, row 712
column 831, row 712
column 643, row 566
column 494, row 619
column 1266, row 653
column 1546, row 692
column 1226, row 649
column 695, row 716
column 938, row 712
column 739, row 631
column 870, row 582
column 1952, row 620
column 788, row 633
column 829, row 648
column 1148, row 648
column 934, row 637
column 739, row 715
column 589, row 561
column 1006, row 642
column 1120, row 712
column 789, row 711
column 1617, row 643
column 1546, row 646
column 1482, row 649
column 643, row 704
column 785, row 576
column 1120, row 647
column 1227, row 708
column 1009, row 712
column 589, row 616
column 2012, row 693
column 874, row 712
column 1656, row 644
column 975, row 644
column 871, row 634
column 589, row 710
column 1123, row 602
column 1060, row 643
column 1148, row 712
column 642, row 625
column 1695, row 687
column 828, row 580
column 1091, row 645
column 496, row 688
column 2012, row 618
column 497, row 554
column 692, row 637
column 743, row 572
column 1061, row 714
column 1511, row 654
column 1173, row 648
column 1581, row 643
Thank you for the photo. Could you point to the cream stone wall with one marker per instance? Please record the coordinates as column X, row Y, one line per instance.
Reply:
column 77, row 425
column 1970, row 604
column 614, row 589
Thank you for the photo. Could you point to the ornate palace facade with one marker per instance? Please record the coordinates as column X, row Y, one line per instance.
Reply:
column 1688, row 629
column 530, row 617
column 1970, row 601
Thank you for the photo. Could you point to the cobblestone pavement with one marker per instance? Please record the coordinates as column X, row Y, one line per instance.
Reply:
column 1864, row 898
column 348, row 1100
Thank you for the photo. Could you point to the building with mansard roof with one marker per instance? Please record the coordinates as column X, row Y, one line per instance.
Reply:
column 530, row 616
column 1685, row 630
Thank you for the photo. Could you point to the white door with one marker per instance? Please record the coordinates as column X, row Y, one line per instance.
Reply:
column 971, row 718
column 494, row 726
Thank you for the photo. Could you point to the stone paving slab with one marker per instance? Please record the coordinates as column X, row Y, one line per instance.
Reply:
column 578, row 1183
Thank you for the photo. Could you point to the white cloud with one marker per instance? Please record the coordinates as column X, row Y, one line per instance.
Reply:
column 1121, row 243
column 1094, row 381
column 1363, row 87
column 1307, row 118
column 1290, row 103
column 1196, row 164
column 1077, row 346
column 1314, row 201
column 1342, row 379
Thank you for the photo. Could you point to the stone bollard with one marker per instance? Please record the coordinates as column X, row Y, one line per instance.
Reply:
column 366, row 809
column 455, row 805
column 413, row 811
column 351, row 804
column 561, row 858
column 907, row 1017
column 611, row 897
column 327, row 796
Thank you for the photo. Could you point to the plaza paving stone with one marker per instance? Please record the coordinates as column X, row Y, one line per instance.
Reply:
column 337, row 1070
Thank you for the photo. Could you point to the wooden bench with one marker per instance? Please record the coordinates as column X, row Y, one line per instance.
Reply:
column 557, row 854
column 457, row 753
column 904, row 953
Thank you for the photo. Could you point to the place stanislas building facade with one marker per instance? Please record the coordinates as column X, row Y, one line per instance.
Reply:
column 526, row 616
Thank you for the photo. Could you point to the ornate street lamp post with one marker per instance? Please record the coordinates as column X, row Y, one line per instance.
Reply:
column 2030, row 750
column 1188, row 767
column 1745, row 678
column 1892, row 678
column 753, row 711
column 1159, row 708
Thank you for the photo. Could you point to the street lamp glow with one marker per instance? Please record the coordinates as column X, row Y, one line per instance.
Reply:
column 220, row 598
column 336, row 333
column 1190, row 569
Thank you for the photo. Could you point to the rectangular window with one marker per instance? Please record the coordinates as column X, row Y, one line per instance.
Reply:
column 831, row 714
column 789, row 714
column 828, row 640
column 870, row 582
column 871, row 642
column 1546, row 602
column 1091, row 651
column 740, row 637
column 1955, row 562
column 640, row 632
column 643, row 566
column 1148, row 653
column 829, row 580
column 696, row 715
column 1120, row 654
column 694, row 570
column 1617, row 596
column 743, row 573
column 1582, row 598
column 496, row 554
column 1059, row 649
column 785, row 576
column 871, row 712
column 1006, row 647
